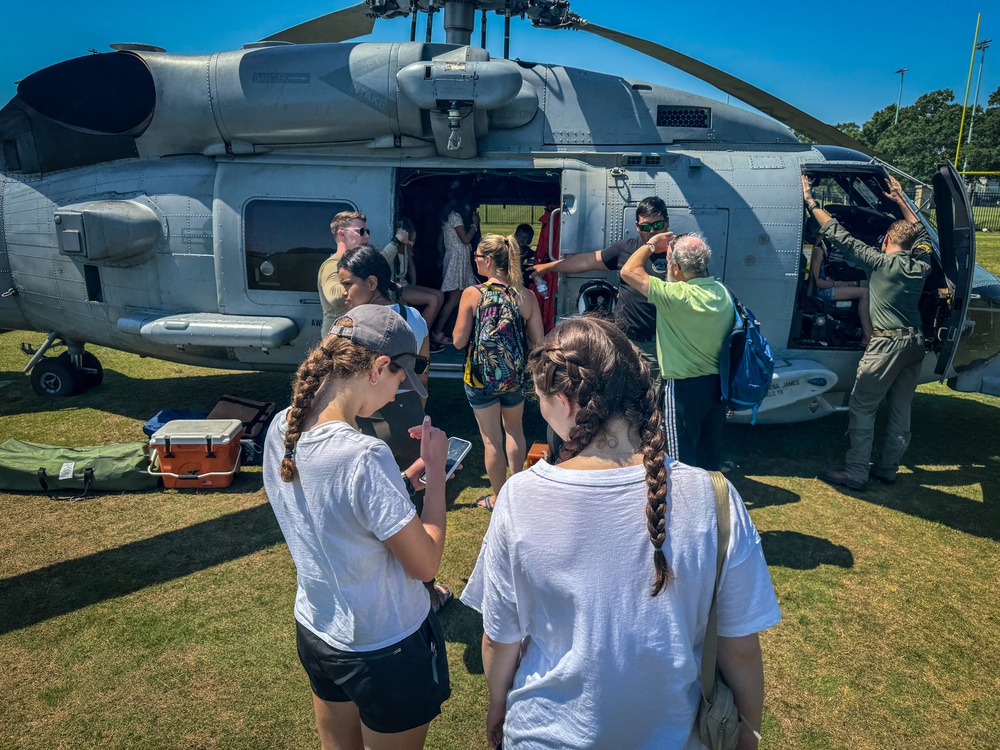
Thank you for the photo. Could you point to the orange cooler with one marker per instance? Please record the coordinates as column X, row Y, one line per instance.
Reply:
column 197, row 453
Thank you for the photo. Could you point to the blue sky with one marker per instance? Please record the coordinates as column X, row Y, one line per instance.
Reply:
column 833, row 60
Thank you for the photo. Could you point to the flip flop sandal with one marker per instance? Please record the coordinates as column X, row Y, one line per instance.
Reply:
column 486, row 502
column 440, row 596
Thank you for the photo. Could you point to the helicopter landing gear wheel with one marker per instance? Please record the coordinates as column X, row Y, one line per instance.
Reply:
column 54, row 376
column 90, row 370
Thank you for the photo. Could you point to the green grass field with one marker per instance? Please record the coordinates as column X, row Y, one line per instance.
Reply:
column 163, row 619
column 988, row 251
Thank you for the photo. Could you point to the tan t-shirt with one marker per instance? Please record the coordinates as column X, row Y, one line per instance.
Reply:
column 331, row 292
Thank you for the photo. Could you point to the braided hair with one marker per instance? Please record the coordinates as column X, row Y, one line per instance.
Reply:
column 333, row 358
column 591, row 361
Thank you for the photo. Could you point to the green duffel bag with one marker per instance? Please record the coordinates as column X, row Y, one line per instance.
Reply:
column 32, row 467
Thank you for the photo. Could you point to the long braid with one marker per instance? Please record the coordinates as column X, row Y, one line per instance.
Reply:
column 592, row 363
column 333, row 358
column 657, row 478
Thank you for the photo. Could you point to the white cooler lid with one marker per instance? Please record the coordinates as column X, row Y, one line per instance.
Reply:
column 197, row 431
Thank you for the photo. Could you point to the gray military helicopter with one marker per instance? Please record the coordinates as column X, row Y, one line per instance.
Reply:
column 178, row 206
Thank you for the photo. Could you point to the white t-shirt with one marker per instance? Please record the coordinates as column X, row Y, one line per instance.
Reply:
column 345, row 501
column 567, row 562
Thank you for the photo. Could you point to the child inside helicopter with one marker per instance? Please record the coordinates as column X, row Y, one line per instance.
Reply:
column 836, row 280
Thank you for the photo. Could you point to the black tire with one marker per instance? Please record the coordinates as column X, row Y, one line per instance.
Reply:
column 53, row 377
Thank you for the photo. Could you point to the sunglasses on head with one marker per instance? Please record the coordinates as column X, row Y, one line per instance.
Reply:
column 414, row 362
column 654, row 226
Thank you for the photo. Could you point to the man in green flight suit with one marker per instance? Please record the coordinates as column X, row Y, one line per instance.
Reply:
column 890, row 366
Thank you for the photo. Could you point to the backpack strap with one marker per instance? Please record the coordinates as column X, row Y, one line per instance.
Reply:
column 708, row 656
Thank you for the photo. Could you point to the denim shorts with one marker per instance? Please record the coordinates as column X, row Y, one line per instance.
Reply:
column 825, row 294
column 396, row 688
column 479, row 400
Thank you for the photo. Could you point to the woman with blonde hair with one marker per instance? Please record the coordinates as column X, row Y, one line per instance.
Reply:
column 366, row 635
column 498, row 322
column 596, row 574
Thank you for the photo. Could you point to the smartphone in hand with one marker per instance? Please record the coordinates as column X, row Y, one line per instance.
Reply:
column 457, row 449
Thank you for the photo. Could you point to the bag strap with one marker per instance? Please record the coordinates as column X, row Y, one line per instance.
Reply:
column 708, row 656
column 88, row 477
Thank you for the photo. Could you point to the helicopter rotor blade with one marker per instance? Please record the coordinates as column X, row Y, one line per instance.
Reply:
column 338, row 26
column 771, row 105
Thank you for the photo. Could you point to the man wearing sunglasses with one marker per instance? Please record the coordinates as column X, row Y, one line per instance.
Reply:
column 349, row 230
column 633, row 313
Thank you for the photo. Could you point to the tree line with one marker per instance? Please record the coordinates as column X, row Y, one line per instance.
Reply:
column 927, row 134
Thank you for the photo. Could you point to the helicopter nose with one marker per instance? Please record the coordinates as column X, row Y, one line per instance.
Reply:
column 976, row 362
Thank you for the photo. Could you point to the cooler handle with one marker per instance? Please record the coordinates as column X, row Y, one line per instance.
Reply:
column 239, row 451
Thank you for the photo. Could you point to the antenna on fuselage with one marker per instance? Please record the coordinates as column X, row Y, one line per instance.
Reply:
column 506, row 30
column 430, row 21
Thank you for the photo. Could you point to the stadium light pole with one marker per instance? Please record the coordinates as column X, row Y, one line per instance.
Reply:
column 968, row 85
column 982, row 59
column 899, row 98
column 981, row 46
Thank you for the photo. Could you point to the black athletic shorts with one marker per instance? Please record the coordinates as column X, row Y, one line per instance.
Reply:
column 396, row 688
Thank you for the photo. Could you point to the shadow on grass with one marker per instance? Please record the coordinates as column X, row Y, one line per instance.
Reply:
column 758, row 494
column 955, row 443
column 463, row 624
column 67, row 586
column 141, row 398
column 791, row 549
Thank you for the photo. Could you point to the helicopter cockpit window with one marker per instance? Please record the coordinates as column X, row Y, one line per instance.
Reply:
column 287, row 241
column 857, row 201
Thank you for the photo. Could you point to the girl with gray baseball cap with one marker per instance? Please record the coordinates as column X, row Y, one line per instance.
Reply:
column 373, row 650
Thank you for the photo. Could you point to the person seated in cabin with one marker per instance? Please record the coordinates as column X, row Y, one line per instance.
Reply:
column 399, row 254
column 836, row 280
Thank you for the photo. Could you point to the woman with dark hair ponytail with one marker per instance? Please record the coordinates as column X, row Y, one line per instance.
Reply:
column 596, row 575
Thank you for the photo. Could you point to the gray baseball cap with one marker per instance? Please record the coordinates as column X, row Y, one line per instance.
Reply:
column 381, row 329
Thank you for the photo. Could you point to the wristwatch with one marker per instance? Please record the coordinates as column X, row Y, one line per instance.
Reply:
column 409, row 485
column 812, row 206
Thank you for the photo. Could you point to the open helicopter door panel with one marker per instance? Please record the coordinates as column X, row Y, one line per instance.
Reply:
column 957, row 244
column 272, row 233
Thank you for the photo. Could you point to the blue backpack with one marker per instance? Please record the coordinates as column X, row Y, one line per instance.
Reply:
column 746, row 364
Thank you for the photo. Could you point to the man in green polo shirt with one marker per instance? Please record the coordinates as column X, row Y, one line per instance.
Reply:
column 694, row 315
column 890, row 366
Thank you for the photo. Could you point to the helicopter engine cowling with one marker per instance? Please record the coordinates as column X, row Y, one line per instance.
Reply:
column 144, row 102
column 254, row 100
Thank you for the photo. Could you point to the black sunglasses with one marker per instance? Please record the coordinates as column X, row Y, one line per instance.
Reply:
column 361, row 230
column 654, row 226
column 415, row 362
